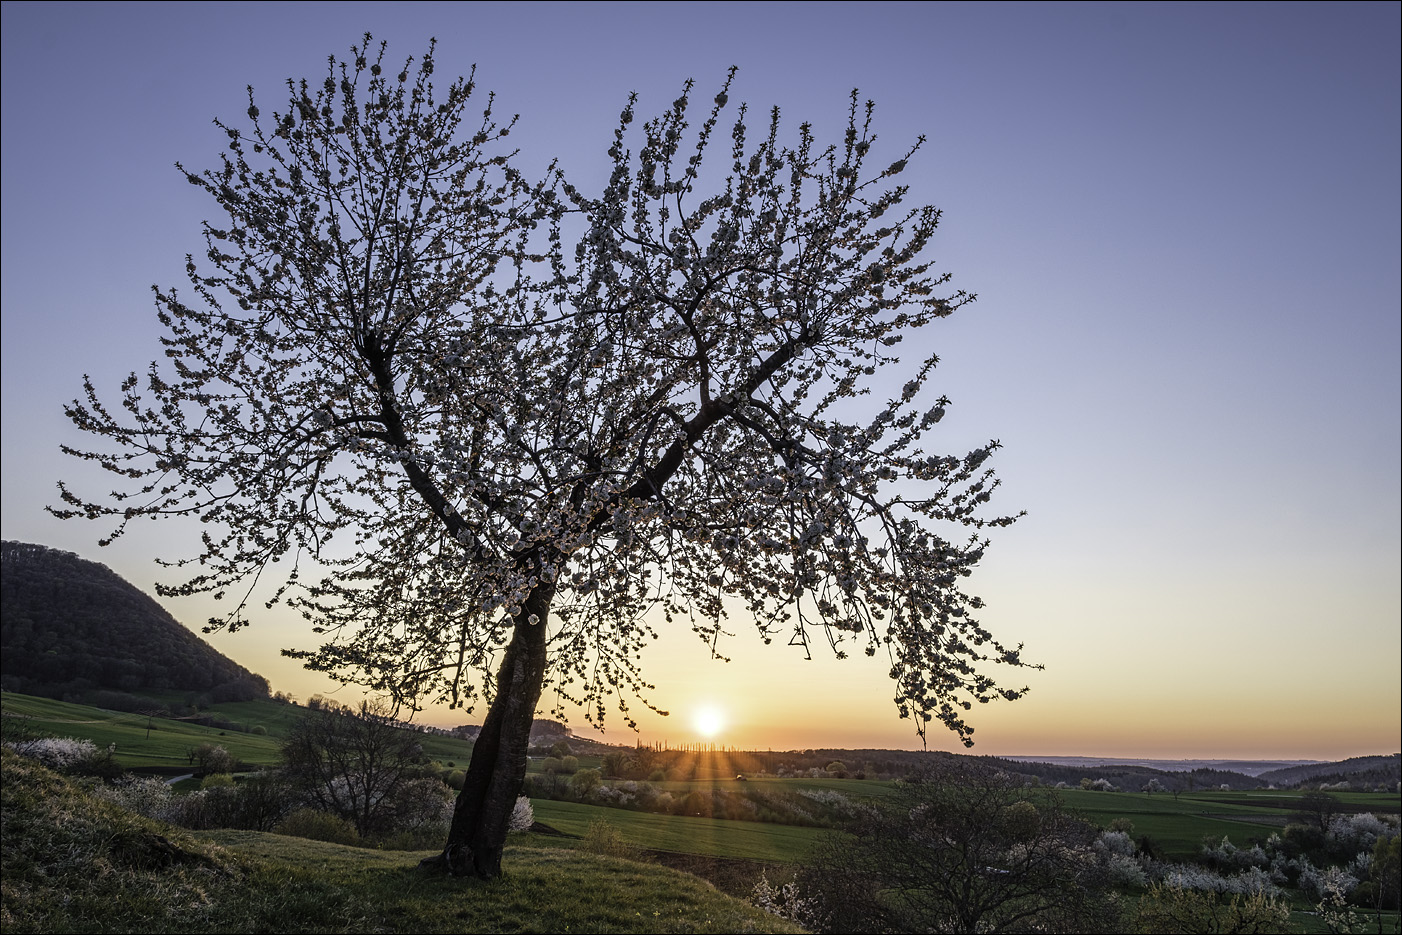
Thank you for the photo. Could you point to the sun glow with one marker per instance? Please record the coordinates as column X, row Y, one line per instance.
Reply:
column 708, row 720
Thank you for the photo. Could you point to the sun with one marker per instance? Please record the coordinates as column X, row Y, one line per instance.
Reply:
column 708, row 720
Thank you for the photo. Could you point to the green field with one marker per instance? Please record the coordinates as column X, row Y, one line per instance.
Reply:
column 1177, row 827
column 142, row 742
column 161, row 743
column 711, row 837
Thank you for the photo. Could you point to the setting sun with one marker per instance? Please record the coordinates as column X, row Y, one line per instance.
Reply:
column 708, row 720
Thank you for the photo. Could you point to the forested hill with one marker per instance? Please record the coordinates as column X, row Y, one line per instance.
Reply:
column 70, row 627
column 1386, row 770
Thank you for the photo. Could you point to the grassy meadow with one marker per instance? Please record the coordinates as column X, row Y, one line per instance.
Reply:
column 160, row 743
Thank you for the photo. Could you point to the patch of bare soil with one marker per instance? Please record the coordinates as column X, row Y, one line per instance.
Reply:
column 731, row 875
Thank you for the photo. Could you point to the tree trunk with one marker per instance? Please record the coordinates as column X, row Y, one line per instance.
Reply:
column 498, row 765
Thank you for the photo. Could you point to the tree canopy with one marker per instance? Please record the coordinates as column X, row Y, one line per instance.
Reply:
column 498, row 430
column 385, row 348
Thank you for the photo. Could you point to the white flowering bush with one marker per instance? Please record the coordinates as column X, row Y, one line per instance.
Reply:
column 1360, row 831
column 1116, row 842
column 1251, row 882
column 787, row 902
column 57, row 753
column 146, row 795
column 1325, row 884
column 522, row 815
column 1125, row 871
column 1226, row 856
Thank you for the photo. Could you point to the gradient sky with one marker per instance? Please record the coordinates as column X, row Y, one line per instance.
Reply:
column 1182, row 222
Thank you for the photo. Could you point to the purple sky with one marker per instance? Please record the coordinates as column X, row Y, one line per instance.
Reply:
column 1182, row 222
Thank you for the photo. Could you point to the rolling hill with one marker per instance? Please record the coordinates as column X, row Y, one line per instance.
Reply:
column 70, row 627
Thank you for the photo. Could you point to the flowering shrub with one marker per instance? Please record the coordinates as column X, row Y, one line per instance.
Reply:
column 1227, row 856
column 146, row 795
column 1251, row 882
column 57, row 753
column 1351, row 833
column 522, row 816
column 1328, row 884
column 787, row 902
column 1172, row 909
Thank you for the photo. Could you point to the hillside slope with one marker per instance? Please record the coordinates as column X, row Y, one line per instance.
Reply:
column 70, row 862
column 69, row 626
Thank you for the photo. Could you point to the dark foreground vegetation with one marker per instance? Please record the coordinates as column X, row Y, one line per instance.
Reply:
column 76, row 863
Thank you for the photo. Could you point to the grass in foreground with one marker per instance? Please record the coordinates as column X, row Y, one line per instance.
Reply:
column 75, row 864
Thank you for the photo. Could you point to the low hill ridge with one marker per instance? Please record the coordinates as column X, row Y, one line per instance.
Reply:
column 69, row 627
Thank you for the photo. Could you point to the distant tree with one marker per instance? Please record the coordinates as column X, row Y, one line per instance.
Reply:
column 353, row 763
column 212, row 758
column 530, row 445
column 1385, row 874
column 963, row 849
column 616, row 764
column 585, row 781
column 1317, row 809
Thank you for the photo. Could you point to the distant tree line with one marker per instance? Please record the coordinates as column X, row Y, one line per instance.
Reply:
column 70, row 628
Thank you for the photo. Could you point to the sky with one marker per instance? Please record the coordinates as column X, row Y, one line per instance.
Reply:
column 1182, row 224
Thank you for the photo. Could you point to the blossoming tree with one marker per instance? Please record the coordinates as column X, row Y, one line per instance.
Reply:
column 489, row 462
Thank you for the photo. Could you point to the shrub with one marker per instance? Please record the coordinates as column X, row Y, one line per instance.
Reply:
column 148, row 796
column 217, row 781
column 1173, row 910
column 522, row 815
column 57, row 753
column 552, row 764
column 213, row 758
column 960, row 850
column 569, row 764
column 584, row 781
column 603, row 838
column 316, row 825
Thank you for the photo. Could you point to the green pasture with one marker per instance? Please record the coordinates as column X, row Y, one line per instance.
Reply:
column 711, row 837
column 1178, row 826
column 1288, row 800
column 861, row 789
column 142, row 742
column 158, row 742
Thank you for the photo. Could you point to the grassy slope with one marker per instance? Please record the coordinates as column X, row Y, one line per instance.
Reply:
column 165, row 743
column 74, row 864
